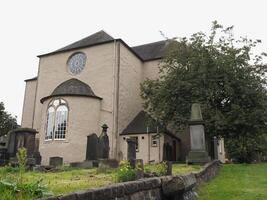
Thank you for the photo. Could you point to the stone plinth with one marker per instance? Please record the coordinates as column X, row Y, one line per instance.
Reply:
column 198, row 153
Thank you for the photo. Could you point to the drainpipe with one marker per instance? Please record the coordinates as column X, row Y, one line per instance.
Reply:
column 159, row 141
column 116, row 75
column 148, row 136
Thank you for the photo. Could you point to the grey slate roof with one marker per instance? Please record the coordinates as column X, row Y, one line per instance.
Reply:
column 151, row 51
column 144, row 52
column 72, row 87
column 140, row 124
column 96, row 38
column 143, row 124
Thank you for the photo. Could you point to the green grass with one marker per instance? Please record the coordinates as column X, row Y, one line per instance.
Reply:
column 177, row 169
column 72, row 179
column 237, row 182
column 181, row 169
column 69, row 180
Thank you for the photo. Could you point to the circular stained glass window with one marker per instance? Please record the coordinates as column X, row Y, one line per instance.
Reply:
column 76, row 63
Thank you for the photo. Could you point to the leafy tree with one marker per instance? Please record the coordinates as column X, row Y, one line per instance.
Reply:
column 224, row 76
column 7, row 122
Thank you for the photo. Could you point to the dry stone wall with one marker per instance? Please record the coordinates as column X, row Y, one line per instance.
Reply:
column 157, row 188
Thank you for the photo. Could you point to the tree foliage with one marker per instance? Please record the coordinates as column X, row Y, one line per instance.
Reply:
column 7, row 122
column 224, row 76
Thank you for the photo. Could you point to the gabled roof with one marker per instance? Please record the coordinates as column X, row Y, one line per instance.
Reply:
column 151, row 51
column 142, row 123
column 72, row 87
column 94, row 39
column 146, row 52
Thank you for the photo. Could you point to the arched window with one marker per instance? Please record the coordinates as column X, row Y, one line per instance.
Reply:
column 57, row 116
column 50, row 123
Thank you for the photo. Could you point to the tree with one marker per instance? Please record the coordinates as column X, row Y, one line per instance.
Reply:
column 7, row 122
column 224, row 76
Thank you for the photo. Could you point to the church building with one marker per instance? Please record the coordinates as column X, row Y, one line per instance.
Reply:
column 87, row 84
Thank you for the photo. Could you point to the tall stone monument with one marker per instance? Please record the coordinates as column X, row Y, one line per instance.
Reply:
column 198, row 153
column 103, row 143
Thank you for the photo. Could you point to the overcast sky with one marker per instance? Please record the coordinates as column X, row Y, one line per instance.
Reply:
column 32, row 27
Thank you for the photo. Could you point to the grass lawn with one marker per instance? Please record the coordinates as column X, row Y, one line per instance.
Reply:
column 69, row 180
column 80, row 179
column 180, row 169
column 177, row 169
column 237, row 182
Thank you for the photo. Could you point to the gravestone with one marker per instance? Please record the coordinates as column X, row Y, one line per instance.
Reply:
column 219, row 152
column 131, row 151
column 23, row 137
column 56, row 161
column 169, row 168
column 103, row 145
column 198, row 153
column 139, row 165
column 92, row 147
column 3, row 150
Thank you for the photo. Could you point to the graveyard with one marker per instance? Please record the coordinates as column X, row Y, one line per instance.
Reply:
column 68, row 179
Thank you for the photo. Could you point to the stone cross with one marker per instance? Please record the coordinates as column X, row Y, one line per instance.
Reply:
column 104, row 143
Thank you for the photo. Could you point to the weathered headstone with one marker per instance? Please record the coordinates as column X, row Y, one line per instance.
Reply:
column 92, row 147
column 169, row 168
column 198, row 153
column 23, row 137
column 56, row 161
column 131, row 151
column 104, row 143
column 219, row 153
column 3, row 150
column 139, row 165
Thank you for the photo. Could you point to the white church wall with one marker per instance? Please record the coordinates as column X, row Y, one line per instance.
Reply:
column 130, row 102
column 28, row 105
column 83, row 120
column 98, row 73
column 151, row 69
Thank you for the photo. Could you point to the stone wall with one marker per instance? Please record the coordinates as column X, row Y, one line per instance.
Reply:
column 157, row 188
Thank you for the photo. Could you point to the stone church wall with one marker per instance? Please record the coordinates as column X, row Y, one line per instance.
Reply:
column 159, row 188
column 73, row 148
column 98, row 74
column 28, row 105
column 130, row 102
column 151, row 69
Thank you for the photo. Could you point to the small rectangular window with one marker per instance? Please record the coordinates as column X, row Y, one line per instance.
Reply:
column 154, row 141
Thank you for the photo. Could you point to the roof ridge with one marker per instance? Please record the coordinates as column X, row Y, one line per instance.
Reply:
column 149, row 43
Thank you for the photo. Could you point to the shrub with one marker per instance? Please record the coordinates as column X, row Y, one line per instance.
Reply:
column 13, row 190
column 125, row 172
column 15, row 187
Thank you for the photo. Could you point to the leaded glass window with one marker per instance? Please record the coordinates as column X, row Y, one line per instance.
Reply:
column 61, row 122
column 57, row 117
column 50, row 123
